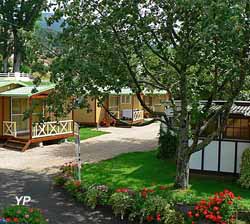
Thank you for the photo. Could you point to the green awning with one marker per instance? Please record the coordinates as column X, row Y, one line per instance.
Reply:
column 26, row 91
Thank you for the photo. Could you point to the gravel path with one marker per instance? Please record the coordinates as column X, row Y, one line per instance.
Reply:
column 29, row 173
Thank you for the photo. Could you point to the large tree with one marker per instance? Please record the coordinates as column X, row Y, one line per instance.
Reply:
column 194, row 49
column 19, row 15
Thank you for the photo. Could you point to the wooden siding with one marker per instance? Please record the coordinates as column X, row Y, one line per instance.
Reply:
column 4, row 111
column 83, row 115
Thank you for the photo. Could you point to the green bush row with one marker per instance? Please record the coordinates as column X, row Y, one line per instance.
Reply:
column 141, row 206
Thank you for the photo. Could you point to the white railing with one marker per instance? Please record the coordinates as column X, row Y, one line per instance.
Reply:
column 16, row 75
column 138, row 115
column 9, row 128
column 52, row 128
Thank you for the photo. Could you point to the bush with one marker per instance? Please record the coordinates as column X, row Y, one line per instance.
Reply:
column 244, row 180
column 122, row 202
column 22, row 214
column 168, row 143
column 96, row 195
column 156, row 208
column 220, row 209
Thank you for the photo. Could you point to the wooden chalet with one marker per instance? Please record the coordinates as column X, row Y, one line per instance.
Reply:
column 19, row 132
column 124, row 106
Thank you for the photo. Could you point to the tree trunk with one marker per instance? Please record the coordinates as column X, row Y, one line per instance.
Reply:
column 5, row 64
column 183, row 156
column 182, row 169
column 17, row 52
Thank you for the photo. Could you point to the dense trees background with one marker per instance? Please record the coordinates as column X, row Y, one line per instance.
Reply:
column 17, row 22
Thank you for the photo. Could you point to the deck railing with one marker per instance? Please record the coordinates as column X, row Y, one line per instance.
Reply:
column 138, row 115
column 16, row 76
column 52, row 128
column 9, row 128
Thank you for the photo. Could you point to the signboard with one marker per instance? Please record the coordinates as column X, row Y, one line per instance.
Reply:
column 78, row 150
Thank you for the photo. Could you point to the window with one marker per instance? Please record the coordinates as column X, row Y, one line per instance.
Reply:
column 125, row 99
column 237, row 128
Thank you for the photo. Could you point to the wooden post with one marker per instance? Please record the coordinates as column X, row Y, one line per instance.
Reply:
column 30, row 118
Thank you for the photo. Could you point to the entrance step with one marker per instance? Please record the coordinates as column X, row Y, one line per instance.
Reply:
column 15, row 144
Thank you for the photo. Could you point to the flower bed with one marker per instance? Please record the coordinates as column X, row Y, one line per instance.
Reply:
column 22, row 215
column 148, row 205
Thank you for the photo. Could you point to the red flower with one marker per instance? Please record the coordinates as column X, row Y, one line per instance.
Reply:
column 230, row 202
column 8, row 219
column 190, row 214
column 197, row 215
column 158, row 217
column 216, row 208
column 149, row 218
column 16, row 220
column 163, row 188
column 31, row 210
column 239, row 197
column 77, row 183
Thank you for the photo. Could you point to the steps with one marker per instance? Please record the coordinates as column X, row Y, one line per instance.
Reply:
column 19, row 145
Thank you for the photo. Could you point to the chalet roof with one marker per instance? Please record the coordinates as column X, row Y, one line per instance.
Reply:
column 26, row 91
column 236, row 109
column 6, row 83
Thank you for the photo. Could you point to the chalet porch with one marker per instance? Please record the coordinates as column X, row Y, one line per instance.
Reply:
column 126, row 107
column 20, row 130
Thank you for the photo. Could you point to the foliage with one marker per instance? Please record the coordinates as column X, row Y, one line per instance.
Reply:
column 122, row 202
column 220, row 209
column 157, row 208
column 22, row 214
column 155, row 204
column 244, row 180
column 168, row 143
column 194, row 50
column 96, row 195
column 18, row 19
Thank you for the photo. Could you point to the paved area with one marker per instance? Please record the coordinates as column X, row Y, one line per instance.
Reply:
column 48, row 158
column 30, row 173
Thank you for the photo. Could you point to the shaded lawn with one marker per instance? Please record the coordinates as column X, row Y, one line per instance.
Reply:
column 142, row 169
column 86, row 133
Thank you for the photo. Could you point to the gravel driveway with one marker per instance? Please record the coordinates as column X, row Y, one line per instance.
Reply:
column 46, row 158
column 29, row 173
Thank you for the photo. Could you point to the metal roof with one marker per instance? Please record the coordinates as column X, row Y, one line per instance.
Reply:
column 26, row 91
column 6, row 83
column 236, row 109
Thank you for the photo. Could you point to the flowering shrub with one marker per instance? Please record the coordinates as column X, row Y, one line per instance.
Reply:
column 157, row 209
column 96, row 195
column 22, row 215
column 122, row 202
column 220, row 209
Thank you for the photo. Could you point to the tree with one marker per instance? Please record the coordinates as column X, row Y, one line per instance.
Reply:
column 195, row 50
column 20, row 16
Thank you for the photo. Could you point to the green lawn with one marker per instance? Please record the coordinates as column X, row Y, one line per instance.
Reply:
column 86, row 133
column 143, row 169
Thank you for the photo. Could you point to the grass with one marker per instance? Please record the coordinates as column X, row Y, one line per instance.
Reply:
column 143, row 169
column 86, row 132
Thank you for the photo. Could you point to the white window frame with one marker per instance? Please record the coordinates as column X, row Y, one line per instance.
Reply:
column 126, row 99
